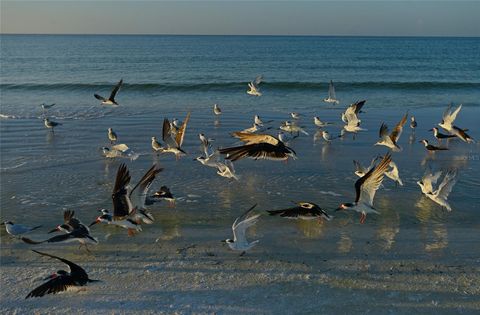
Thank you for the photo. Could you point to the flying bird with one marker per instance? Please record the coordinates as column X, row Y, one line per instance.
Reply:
column 390, row 140
column 366, row 187
column 111, row 99
column 440, row 195
column 303, row 210
column 174, row 142
column 239, row 228
column 431, row 147
column 332, row 98
column 254, row 88
column 258, row 146
column 61, row 280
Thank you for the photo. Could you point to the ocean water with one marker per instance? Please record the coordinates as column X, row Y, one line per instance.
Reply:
column 43, row 173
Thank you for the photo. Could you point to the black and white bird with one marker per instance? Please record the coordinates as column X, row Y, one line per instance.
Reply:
column 303, row 210
column 390, row 139
column 431, row 147
column 174, row 141
column 365, row 188
column 129, row 209
column 440, row 195
column 239, row 228
column 216, row 110
column 112, row 136
column 111, row 99
column 258, row 121
column 448, row 118
column 61, row 280
column 319, row 123
column 292, row 127
column 18, row 229
column 46, row 106
column 413, row 123
column 295, row 115
column 258, row 146
column 50, row 124
column 253, row 87
column 156, row 146
column 440, row 136
column 164, row 193
column 70, row 223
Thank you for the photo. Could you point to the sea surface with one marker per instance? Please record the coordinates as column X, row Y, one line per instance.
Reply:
column 44, row 173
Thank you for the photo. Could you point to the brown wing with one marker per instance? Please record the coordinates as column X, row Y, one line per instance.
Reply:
column 258, row 151
column 121, row 201
column 58, row 284
column 181, row 132
column 166, row 131
column 367, row 185
column 397, row 131
column 251, row 138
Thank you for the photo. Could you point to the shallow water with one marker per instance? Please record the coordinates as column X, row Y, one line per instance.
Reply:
column 44, row 173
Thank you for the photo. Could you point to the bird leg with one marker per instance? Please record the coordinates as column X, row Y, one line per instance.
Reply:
column 363, row 217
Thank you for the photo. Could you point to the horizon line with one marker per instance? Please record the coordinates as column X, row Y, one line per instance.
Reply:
column 253, row 35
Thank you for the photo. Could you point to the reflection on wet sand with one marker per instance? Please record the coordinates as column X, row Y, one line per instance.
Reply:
column 345, row 243
column 388, row 225
column 433, row 231
column 312, row 228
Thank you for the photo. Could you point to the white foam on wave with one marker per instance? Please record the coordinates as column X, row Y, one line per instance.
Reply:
column 13, row 167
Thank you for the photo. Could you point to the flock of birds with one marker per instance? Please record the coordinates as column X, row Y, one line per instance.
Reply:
column 130, row 202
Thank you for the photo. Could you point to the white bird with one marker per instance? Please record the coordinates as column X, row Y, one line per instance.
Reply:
column 365, row 188
column 360, row 171
column 295, row 115
column 255, row 128
column 332, row 98
column 390, row 140
column 327, row 137
column 47, row 106
column 119, row 150
column 285, row 137
column 50, row 124
column 216, row 110
column 254, row 88
column 18, row 229
column 449, row 117
column 440, row 195
column 320, row 123
column 239, row 227
column 111, row 99
column 112, row 136
column 413, row 123
column 156, row 146
column 226, row 170
column 292, row 127
column 350, row 117
column 393, row 173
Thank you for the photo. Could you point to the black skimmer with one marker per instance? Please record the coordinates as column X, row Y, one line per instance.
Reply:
column 164, row 193
column 18, row 229
column 303, row 210
column 366, row 187
column 129, row 203
column 430, row 147
column 390, row 140
column 50, row 124
column 239, row 227
column 461, row 133
column 112, row 136
column 350, row 117
column 80, row 234
column 332, row 98
column 320, row 123
column 254, row 88
column 440, row 136
column 70, row 223
column 111, row 99
column 216, row 110
column 61, row 280
column 258, row 146
column 174, row 142
column 440, row 195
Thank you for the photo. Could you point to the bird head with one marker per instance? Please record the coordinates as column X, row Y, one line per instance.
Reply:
column 57, row 228
column 7, row 223
column 424, row 141
column 345, row 206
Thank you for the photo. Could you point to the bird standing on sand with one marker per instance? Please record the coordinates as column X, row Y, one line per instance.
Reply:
column 320, row 123
column 61, row 280
column 239, row 228
column 18, row 229
column 413, row 123
column 216, row 110
column 111, row 99
column 112, row 136
column 365, row 188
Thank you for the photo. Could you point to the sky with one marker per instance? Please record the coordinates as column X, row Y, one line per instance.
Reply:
column 241, row 17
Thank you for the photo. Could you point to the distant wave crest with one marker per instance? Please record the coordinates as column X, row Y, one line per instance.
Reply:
column 235, row 86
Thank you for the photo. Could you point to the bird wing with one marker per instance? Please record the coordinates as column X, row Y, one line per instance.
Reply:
column 453, row 115
column 383, row 130
column 242, row 223
column 74, row 268
column 58, row 284
column 357, row 106
column 122, row 147
column 359, row 167
column 397, row 131
column 115, row 90
column 257, row 151
column 258, row 80
column 167, row 134
column 138, row 194
column 250, row 138
column 446, row 185
column 121, row 202
column 429, row 179
column 101, row 98
column 181, row 132
column 367, row 185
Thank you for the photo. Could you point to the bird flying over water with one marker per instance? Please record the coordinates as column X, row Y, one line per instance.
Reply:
column 111, row 99
column 254, row 88
column 350, row 117
column 332, row 98
column 258, row 146
column 390, row 140
column 174, row 142
column 303, row 210
column 440, row 195
column 61, row 280
column 239, row 228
